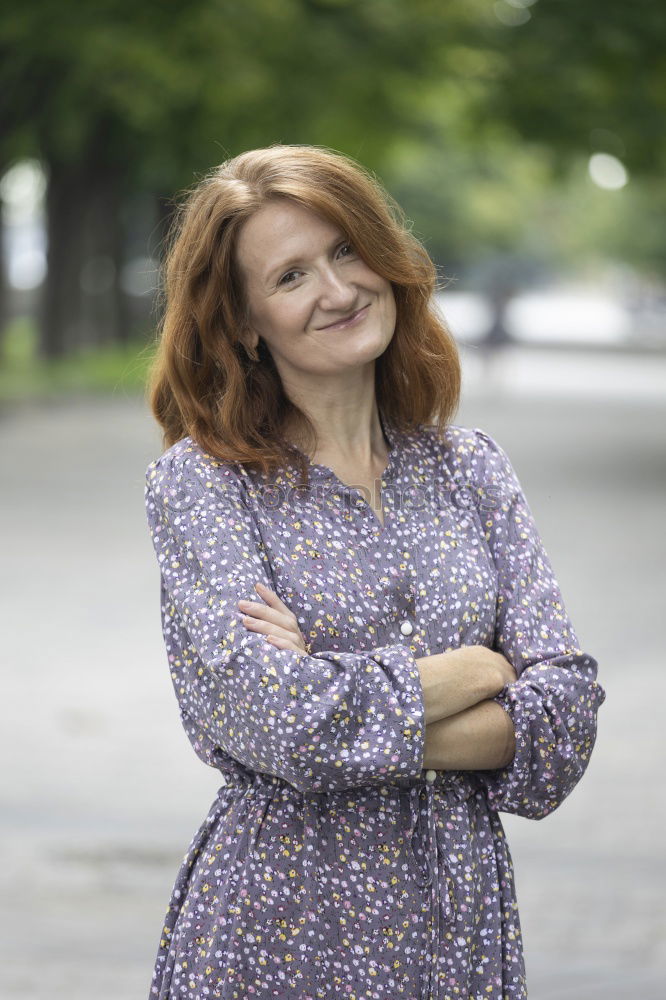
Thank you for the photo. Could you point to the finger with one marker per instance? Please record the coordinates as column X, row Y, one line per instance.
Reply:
column 283, row 643
column 255, row 610
column 272, row 599
column 267, row 628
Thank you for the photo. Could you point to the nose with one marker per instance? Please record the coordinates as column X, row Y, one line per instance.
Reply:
column 337, row 296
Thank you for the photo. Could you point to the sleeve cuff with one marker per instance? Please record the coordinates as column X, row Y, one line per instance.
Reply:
column 400, row 663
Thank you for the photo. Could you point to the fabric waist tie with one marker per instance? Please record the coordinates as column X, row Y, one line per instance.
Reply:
column 419, row 804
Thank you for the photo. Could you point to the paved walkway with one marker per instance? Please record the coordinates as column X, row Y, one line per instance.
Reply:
column 104, row 791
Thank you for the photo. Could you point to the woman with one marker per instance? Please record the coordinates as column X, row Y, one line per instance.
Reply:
column 364, row 630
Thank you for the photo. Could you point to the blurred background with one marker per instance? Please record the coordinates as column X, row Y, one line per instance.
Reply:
column 526, row 142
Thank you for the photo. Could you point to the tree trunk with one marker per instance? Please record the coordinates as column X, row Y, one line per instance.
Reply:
column 103, row 309
column 82, row 302
column 60, row 321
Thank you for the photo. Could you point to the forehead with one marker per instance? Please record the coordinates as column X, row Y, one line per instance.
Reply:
column 278, row 231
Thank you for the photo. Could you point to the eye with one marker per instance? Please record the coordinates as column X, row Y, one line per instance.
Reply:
column 284, row 280
column 349, row 248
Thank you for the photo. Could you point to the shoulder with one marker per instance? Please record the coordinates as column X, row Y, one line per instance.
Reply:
column 467, row 450
column 472, row 460
column 185, row 473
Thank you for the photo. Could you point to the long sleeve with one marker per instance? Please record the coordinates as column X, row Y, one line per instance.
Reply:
column 325, row 722
column 554, row 702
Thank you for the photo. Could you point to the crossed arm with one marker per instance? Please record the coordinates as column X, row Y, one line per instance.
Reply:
column 465, row 728
column 207, row 552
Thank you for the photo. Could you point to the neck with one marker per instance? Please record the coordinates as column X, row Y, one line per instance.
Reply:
column 345, row 438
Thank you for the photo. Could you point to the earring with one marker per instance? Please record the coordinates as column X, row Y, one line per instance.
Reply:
column 251, row 353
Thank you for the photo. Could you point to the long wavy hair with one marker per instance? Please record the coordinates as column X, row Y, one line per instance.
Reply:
column 201, row 382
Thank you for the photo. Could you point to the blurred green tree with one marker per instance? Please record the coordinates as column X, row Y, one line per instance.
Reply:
column 118, row 99
column 581, row 77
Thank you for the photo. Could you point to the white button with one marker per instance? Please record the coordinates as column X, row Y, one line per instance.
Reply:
column 430, row 775
column 406, row 628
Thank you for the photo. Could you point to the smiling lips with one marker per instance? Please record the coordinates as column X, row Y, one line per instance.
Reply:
column 349, row 320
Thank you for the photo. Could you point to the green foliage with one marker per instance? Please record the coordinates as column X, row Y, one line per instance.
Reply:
column 585, row 77
column 166, row 88
column 478, row 115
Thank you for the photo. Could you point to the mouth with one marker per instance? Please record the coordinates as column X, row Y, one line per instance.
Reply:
column 354, row 317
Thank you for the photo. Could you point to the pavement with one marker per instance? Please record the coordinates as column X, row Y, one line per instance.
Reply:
column 104, row 792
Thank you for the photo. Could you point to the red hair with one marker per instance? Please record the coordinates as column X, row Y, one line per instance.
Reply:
column 201, row 382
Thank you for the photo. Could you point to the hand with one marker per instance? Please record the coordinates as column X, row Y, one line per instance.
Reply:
column 499, row 670
column 507, row 670
column 274, row 620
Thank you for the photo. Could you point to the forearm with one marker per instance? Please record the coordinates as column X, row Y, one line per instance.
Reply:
column 479, row 738
column 458, row 679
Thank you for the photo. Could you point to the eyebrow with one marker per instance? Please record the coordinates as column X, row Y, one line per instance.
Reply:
column 290, row 262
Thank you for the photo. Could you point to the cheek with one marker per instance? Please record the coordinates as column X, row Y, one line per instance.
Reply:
column 388, row 300
column 284, row 316
column 384, row 289
column 375, row 283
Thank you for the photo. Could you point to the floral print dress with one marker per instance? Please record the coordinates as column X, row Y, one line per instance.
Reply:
column 331, row 864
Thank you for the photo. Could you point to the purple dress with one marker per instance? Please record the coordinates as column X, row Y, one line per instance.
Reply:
column 330, row 863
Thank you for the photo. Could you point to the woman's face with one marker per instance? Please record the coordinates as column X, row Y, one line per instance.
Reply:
column 318, row 306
